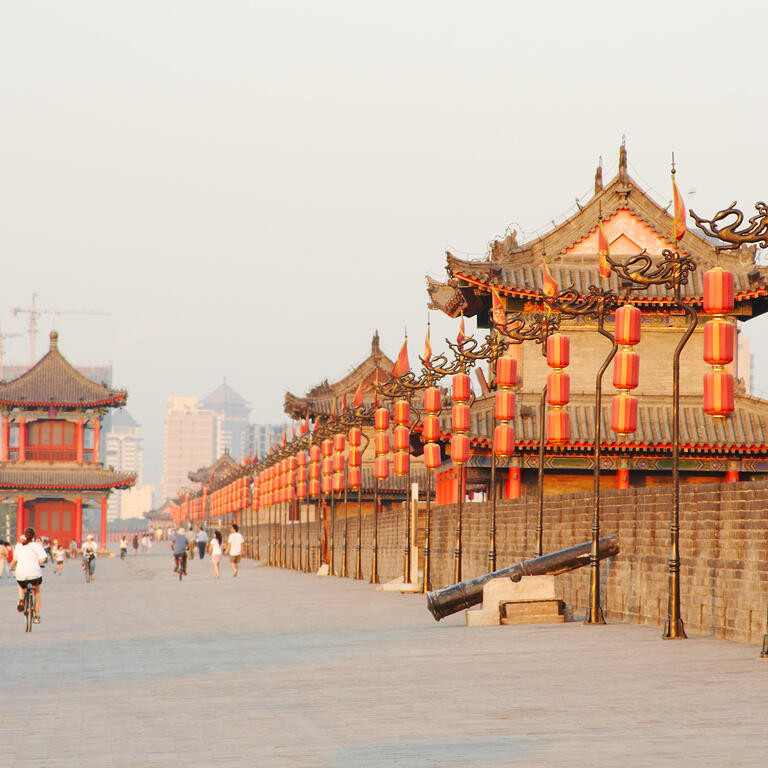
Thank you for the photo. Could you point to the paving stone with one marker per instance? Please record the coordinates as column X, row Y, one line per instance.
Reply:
column 278, row 668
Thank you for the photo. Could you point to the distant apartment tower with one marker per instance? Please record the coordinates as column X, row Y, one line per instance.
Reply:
column 233, row 411
column 124, row 449
column 261, row 437
column 192, row 440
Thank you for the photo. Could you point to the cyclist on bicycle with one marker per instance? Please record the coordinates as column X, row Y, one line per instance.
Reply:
column 89, row 555
column 28, row 556
column 179, row 546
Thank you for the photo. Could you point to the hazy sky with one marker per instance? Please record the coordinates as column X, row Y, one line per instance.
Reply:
column 251, row 188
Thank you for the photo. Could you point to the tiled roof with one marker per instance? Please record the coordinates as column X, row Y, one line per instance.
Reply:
column 745, row 431
column 36, row 477
column 54, row 382
column 219, row 467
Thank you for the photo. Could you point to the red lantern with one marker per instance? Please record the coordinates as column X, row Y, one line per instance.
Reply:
column 381, row 419
column 291, row 463
column 626, row 369
column 338, row 443
column 432, row 458
column 402, row 412
column 460, row 449
column 301, row 458
column 461, row 388
column 291, row 477
column 627, row 330
column 558, row 426
column 314, row 488
column 402, row 462
column 314, row 471
column 338, row 462
column 327, row 447
column 558, row 351
column 354, row 457
column 506, row 372
column 460, row 418
column 338, row 482
column 402, row 439
column 353, row 477
column 302, row 475
column 290, row 493
column 314, row 453
column 719, row 342
column 505, row 405
column 504, row 440
column 558, row 388
column 718, row 291
column 355, row 437
column 327, row 465
column 381, row 467
column 381, row 442
column 432, row 400
column 430, row 431
column 718, row 394
column 624, row 414
column 301, row 490
column 326, row 484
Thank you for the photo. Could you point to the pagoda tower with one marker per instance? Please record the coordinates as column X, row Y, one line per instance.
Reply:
column 49, row 457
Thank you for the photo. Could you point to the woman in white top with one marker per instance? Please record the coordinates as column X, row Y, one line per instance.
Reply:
column 214, row 549
column 58, row 553
column 28, row 556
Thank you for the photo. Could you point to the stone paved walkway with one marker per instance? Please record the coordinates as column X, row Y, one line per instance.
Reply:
column 277, row 668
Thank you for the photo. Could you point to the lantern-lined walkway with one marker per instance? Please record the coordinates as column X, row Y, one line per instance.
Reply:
column 127, row 682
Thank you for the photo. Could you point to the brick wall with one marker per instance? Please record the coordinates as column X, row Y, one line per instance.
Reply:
column 723, row 549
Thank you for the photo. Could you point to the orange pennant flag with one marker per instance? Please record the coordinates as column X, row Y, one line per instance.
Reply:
column 345, row 402
column 427, row 356
column 551, row 286
column 679, row 221
column 305, row 426
column 358, row 401
column 499, row 309
column 461, row 335
column 602, row 252
column 402, row 365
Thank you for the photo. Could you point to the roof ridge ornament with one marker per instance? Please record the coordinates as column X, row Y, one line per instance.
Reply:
column 623, row 160
column 54, row 340
column 599, row 176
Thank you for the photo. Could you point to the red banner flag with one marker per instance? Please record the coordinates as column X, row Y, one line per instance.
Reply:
column 427, row 356
column 602, row 251
column 358, row 401
column 678, row 223
column 305, row 425
column 345, row 402
column 402, row 365
column 461, row 335
column 551, row 286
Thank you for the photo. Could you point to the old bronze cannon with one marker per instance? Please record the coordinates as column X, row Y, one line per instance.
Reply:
column 444, row 602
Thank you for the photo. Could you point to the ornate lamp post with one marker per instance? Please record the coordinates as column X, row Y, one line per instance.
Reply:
column 315, row 491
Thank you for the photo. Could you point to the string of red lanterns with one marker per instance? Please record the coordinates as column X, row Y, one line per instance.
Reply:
column 402, row 437
column 626, row 370
column 504, row 410
column 719, row 342
column 558, row 389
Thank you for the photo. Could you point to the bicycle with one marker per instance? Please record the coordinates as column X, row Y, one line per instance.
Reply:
column 87, row 560
column 180, row 565
column 29, row 607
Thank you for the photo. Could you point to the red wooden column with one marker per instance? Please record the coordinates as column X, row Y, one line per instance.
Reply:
column 79, row 430
column 5, row 440
column 19, row 517
column 622, row 478
column 103, row 528
column 731, row 476
column 96, row 438
column 22, row 439
column 514, row 489
column 79, row 520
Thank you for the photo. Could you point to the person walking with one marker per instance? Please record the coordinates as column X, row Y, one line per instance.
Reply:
column 3, row 557
column 89, row 555
column 214, row 548
column 135, row 544
column 201, row 539
column 235, row 548
column 123, row 548
column 59, row 554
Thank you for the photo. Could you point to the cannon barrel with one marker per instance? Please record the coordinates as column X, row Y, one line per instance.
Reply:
column 444, row 602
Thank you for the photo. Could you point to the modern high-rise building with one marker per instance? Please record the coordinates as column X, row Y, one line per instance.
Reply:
column 192, row 440
column 233, row 411
column 261, row 437
column 124, row 450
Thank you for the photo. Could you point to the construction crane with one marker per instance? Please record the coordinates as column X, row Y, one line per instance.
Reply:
column 34, row 313
column 3, row 337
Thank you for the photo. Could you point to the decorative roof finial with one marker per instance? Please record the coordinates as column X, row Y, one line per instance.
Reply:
column 599, row 176
column 623, row 160
column 54, row 340
column 375, row 347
